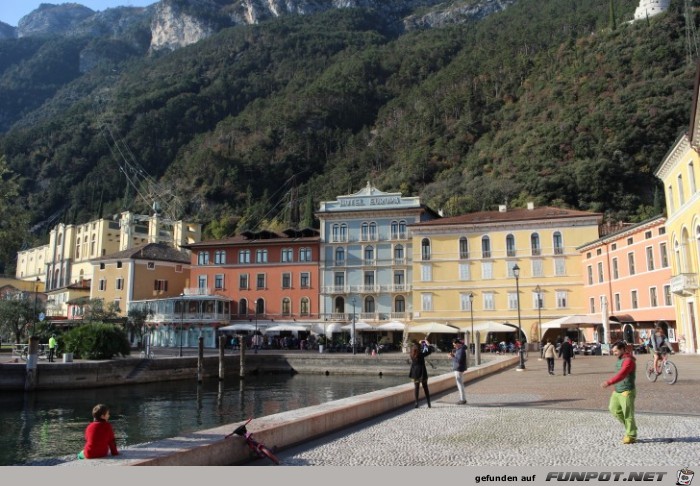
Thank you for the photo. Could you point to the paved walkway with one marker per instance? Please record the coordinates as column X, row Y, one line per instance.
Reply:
column 527, row 418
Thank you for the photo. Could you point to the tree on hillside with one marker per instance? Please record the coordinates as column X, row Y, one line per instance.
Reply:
column 13, row 218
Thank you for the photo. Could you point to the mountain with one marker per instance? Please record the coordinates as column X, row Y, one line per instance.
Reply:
column 555, row 102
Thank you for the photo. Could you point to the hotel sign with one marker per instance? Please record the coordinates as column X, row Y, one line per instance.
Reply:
column 370, row 201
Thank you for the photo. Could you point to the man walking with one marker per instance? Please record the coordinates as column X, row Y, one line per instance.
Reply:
column 459, row 366
column 52, row 347
column 566, row 352
column 622, row 399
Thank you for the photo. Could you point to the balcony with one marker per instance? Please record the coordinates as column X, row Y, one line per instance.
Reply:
column 536, row 251
column 365, row 289
column 335, row 289
column 369, row 262
column 400, row 261
column 396, row 288
column 197, row 291
column 684, row 284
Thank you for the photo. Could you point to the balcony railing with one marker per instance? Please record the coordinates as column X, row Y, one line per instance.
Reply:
column 684, row 284
column 335, row 289
column 536, row 251
column 197, row 291
column 396, row 288
column 365, row 289
column 558, row 250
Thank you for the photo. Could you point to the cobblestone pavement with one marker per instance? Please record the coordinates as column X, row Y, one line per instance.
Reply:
column 527, row 418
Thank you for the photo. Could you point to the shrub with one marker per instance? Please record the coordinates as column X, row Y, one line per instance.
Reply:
column 96, row 341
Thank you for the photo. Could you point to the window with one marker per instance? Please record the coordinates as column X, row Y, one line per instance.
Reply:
column 202, row 282
column 103, row 284
column 286, row 280
column 427, row 302
column 260, row 256
column 464, row 271
column 487, row 270
column 93, row 243
column 537, row 269
column 394, row 230
column 667, row 295
column 343, row 232
column 613, row 247
column 398, row 255
column 339, row 280
column 601, row 276
column 286, row 306
column 535, row 244
column 463, row 248
column 630, row 241
column 219, row 281
column 368, row 280
column 489, row 301
column 557, row 243
column 369, row 255
column 243, row 281
column 650, row 258
column 288, row 255
column 615, row 271
column 681, row 192
column 203, row 258
column 77, row 249
column 630, row 262
column 425, row 249
column 373, row 231
column 465, row 303
column 662, row 230
column 599, row 251
column 120, row 283
column 512, row 300
column 402, row 229
column 340, row 256
column 618, row 303
column 304, row 306
column 633, row 295
column 647, row 235
column 119, row 264
column 102, row 266
column 364, row 232
column 691, row 178
column 117, row 305
column 369, row 305
column 335, row 233
column 561, row 299
column 260, row 281
column 590, row 275
column 671, row 202
column 244, row 256
column 537, row 300
column 399, row 280
column 664, row 255
column 220, row 257
column 591, row 305
column 243, row 307
column 426, row 273
column 151, row 265
column 510, row 245
column 305, row 280
column 559, row 267
column 485, row 247
column 509, row 269
column 259, row 306
column 653, row 298
column 400, row 304
column 305, row 254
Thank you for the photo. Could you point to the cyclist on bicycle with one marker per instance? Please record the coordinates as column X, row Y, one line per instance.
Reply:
column 660, row 346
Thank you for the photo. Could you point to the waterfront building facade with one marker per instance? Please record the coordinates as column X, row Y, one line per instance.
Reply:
column 365, row 264
column 463, row 268
column 627, row 281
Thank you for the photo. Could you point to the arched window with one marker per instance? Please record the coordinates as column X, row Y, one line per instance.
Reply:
column 335, row 232
column 402, row 229
column 510, row 245
column 304, row 306
column 373, row 231
column 364, row 235
column 259, row 306
column 286, row 306
column 681, row 193
column 400, row 304
column 463, row 248
column 369, row 305
column 343, row 232
column 60, row 238
column 339, row 305
column 394, row 230
column 691, row 178
column 485, row 247
column 243, row 307
column 557, row 243
column 425, row 249
column 535, row 244
column 340, row 256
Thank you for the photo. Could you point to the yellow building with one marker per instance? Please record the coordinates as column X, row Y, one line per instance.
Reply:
column 474, row 255
column 148, row 272
column 679, row 173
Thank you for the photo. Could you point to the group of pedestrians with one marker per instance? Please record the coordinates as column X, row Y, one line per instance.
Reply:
column 419, row 372
column 566, row 353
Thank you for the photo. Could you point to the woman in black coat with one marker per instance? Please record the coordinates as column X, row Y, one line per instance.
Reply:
column 418, row 371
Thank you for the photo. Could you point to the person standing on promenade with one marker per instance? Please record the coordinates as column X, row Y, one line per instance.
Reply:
column 52, row 347
column 566, row 352
column 418, row 371
column 622, row 399
column 549, row 353
column 99, row 435
column 459, row 366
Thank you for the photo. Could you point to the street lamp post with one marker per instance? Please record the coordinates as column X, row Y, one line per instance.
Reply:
column 353, row 324
column 255, row 335
column 538, row 290
column 471, row 311
column 516, row 273
column 36, row 295
column 182, row 318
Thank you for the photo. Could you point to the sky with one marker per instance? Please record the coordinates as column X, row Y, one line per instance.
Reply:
column 13, row 10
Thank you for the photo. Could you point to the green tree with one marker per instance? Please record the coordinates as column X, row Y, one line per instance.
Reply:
column 15, row 317
column 135, row 323
column 13, row 218
column 96, row 341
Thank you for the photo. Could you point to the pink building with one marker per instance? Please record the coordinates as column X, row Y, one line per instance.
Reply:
column 626, row 275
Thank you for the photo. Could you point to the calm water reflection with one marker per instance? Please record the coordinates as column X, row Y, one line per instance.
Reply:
column 51, row 423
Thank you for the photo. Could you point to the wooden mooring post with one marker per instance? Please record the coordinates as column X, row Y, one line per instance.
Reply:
column 241, row 341
column 30, row 380
column 222, row 344
column 200, row 359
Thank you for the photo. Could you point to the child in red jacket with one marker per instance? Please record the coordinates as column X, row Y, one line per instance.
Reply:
column 99, row 435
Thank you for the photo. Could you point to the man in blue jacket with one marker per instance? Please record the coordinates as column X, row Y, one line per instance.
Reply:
column 459, row 366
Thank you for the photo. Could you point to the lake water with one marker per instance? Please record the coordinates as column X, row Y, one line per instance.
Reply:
column 49, row 424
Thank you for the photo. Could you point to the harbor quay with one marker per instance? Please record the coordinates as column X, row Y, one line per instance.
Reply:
column 515, row 418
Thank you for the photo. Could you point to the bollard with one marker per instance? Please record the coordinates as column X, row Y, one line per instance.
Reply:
column 222, row 343
column 477, row 348
column 200, row 359
column 242, row 348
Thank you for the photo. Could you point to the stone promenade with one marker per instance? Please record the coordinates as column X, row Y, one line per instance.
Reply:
column 527, row 418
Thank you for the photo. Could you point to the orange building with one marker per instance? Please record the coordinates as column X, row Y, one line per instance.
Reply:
column 626, row 277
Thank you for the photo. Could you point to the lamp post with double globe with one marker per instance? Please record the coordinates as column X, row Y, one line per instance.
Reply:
column 353, row 324
column 516, row 274
column 471, row 311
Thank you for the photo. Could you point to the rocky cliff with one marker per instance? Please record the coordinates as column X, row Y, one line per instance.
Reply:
column 7, row 31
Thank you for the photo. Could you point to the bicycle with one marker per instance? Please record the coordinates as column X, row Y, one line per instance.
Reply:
column 259, row 449
column 23, row 351
column 666, row 368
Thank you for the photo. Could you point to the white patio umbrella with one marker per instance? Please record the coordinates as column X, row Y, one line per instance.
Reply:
column 392, row 326
column 488, row 326
column 238, row 327
column 433, row 327
column 571, row 321
column 286, row 327
column 360, row 326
